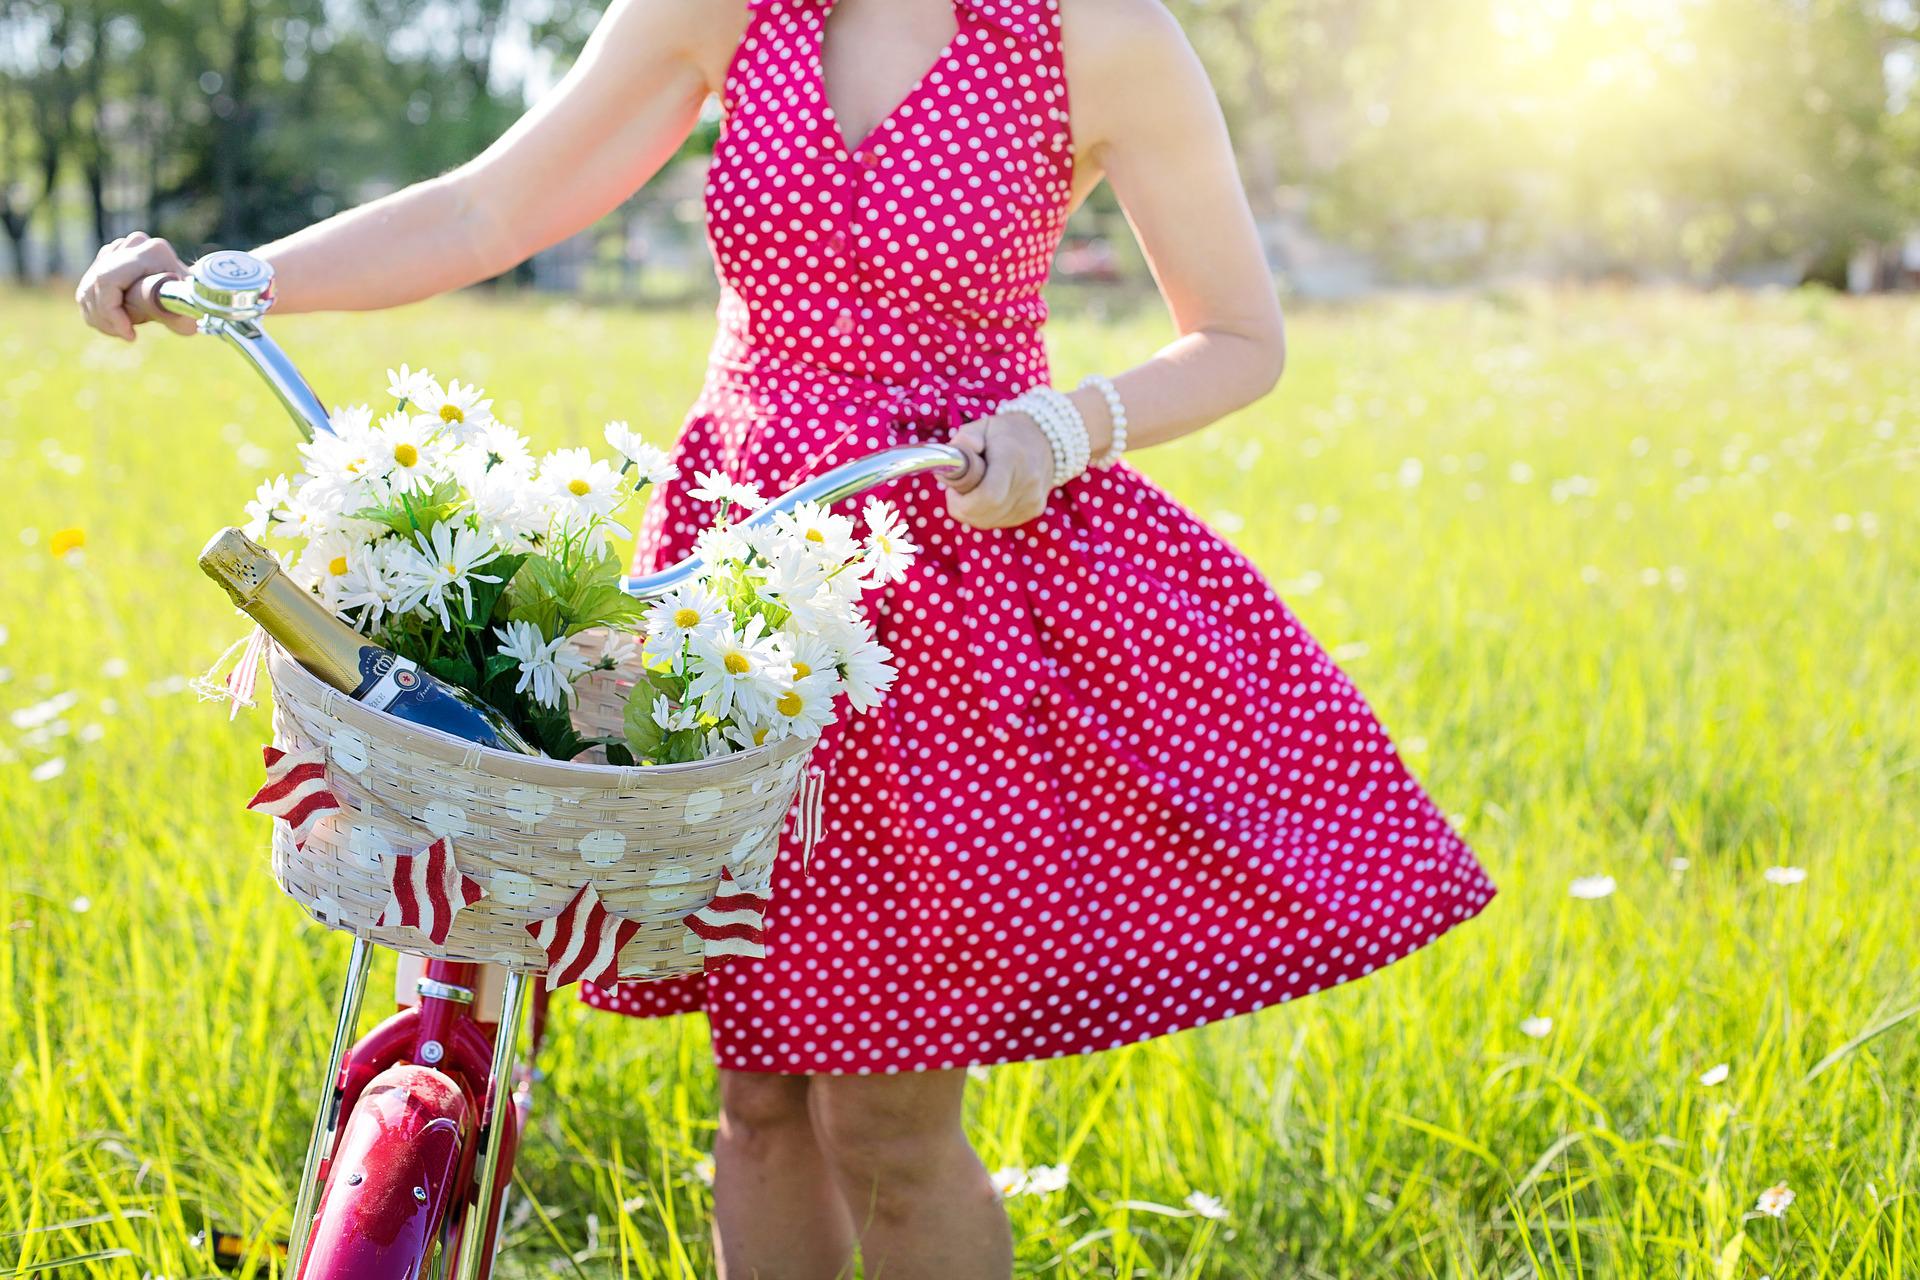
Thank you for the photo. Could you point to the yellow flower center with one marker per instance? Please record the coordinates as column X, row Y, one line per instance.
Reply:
column 353, row 468
column 405, row 454
column 814, row 535
column 789, row 703
column 579, row 488
column 737, row 664
column 686, row 617
column 337, row 566
column 451, row 413
column 759, row 735
column 801, row 671
column 883, row 542
column 65, row 540
column 450, row 569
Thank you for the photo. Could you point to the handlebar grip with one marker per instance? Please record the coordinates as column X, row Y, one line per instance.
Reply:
column 143, row 300
column 975, row 472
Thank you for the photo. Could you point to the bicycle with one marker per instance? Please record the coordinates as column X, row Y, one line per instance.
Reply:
column 419, row 1121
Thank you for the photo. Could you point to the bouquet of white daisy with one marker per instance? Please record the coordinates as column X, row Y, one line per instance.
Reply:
column 434, row 531
column 770, row 634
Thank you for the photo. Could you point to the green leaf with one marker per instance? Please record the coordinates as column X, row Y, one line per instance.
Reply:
column 455, row 669
column 499, row 664
column 620, row 756
column 487, row 595
column 600, row 604
column 417, row 511
column 644, row 734
column 553, row 727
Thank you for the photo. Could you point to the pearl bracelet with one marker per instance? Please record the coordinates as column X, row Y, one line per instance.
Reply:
column 1060, row 422
column 1117, row 410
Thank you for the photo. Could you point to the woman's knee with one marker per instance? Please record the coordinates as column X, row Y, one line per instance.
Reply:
column 893, row 1134
column 758, row 1112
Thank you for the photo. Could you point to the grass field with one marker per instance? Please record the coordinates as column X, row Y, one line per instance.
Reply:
column 1631, row 578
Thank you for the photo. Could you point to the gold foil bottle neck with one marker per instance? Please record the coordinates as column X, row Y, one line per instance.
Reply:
column 239, row 564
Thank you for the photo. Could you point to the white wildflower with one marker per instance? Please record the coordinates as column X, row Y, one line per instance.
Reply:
column 408, row 386
column 1592, row 887
column 547, row 667
column 440, row 562
column 889, row 549
column 268, row 508
column 649, row 463
column 1205, row 1206
column 1715, row 1075
column 716, row 486
column 1774, row 1201
column 1537, row 1028
column 1784, row 875
column 739, row 670
column 688, row 610
column 455, row 409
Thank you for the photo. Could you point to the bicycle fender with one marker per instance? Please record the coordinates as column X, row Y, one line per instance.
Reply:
column 393, row 1174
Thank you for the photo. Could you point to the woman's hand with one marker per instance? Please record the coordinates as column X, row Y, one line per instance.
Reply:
column 117, row 268
column 1018, row 477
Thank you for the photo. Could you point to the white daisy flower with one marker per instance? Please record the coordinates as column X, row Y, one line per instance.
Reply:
column 1784, row 875
column 865, row 665
column 1045, row 1179
column 670, row 718
column 716, row 486
column 458, row 409
column 1010, row 1181
column 508, row 506
column 577, row 483
column 819, row 533
column 1537, row 1028
column 1592, row 888
column 370, row 585
column 1715, row 1075
column 408, row 457
column 547, row 667
column 649, row 463
column 408, row 386
column 718, row 545
column 492, row 446
column 889, row 549
column 809, row 655
column 1774, row 1201
column 267, row 510
column 325, row 556
column 805, row 707
column 688, row 610
column 1205, row 1206
column 438, row 562
column 740, row 670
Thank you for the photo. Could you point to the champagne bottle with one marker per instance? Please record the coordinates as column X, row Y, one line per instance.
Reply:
column 336, row 653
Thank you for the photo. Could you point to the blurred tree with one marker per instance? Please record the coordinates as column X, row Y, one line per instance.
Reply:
column 1445, row 137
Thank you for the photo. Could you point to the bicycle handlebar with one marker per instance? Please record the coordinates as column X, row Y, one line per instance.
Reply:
column 227, row 292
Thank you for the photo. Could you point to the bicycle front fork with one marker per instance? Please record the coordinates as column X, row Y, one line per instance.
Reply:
column 478, row 1232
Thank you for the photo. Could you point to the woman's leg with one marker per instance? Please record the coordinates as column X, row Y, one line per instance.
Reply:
column 777, row 1214
column 921, row 1201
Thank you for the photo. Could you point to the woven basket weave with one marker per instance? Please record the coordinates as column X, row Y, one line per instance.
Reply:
column 651, row 841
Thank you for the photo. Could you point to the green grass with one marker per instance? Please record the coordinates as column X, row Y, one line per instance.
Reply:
column 1631, row 578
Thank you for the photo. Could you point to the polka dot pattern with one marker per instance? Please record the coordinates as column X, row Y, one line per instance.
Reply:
column 1118, row 789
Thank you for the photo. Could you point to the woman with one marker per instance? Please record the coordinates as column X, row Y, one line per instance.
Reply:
column 1118, row 791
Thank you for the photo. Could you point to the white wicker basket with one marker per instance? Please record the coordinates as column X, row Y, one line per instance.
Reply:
column 530, row 833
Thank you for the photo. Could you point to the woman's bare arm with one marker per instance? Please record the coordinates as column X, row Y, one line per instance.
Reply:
column 1144, row 115
column 612, row 122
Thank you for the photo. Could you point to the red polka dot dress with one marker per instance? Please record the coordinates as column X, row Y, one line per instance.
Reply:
column 1117, row 790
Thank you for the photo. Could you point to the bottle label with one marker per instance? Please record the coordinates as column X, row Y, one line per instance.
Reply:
column 385, row 676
